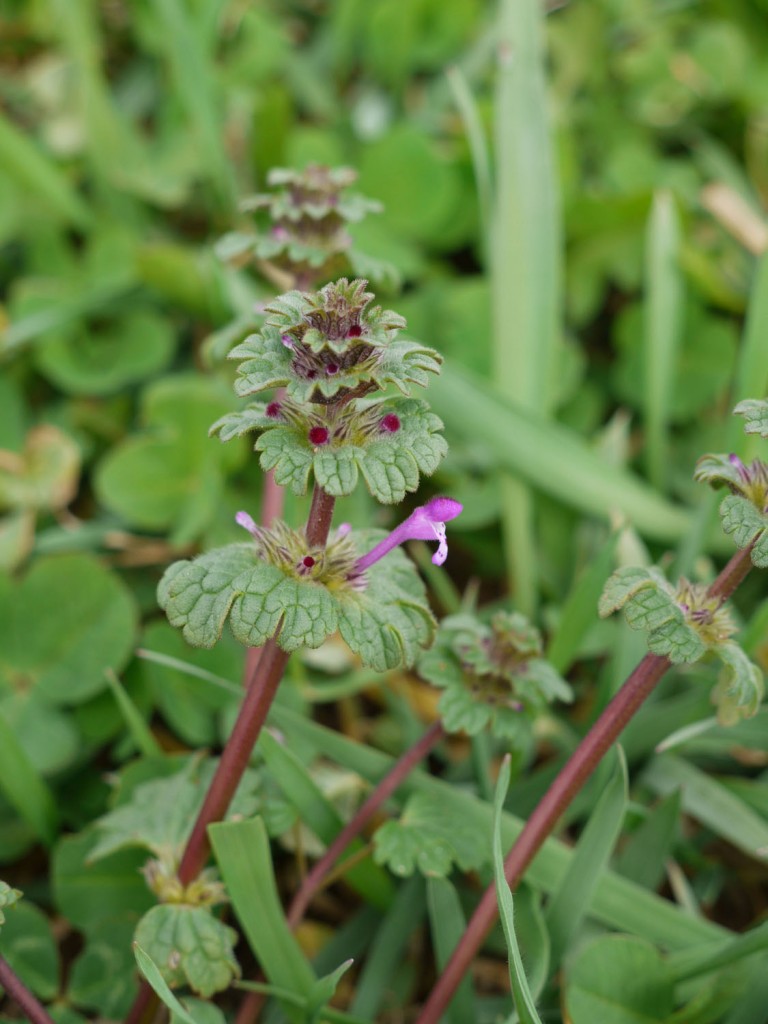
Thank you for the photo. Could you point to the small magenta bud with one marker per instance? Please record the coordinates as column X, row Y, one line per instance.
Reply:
column 354, row 331
column 318, row 435
column 308, row 561
column 390, row 424
column 280, row 233
column 287, row 340
column 273, row 410
column 331, row 368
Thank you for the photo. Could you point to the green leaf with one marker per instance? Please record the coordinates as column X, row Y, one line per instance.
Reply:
column 160, row 814
column 621, row 979
column 46, row 473
column 67, row 622
column 236, row 424
column 447, row 926
column 100, row 362
column 154, row 976
column 390, row 462
column 89, row 894
column 741, row 686
column 746, row 524
column 524, row 1002
column 102, row 977
column 266, row 362
column 755, row 412
column 243, row 855
column 23, row 787
column 8, row 898
column 171, row 476
column 31, row 951
column 386, row 622
column 707, row 800
column 389, row 622
column 718, row 470
column 648, row 602
column 258, row 598
column 431, row 837
column 324, row 990
column 190, row 946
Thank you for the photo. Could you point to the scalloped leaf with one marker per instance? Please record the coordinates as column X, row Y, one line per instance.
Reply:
column 259, row 599
column 266, row 362
column 385, row 619
column 740, row 687
column 8, row 897
column 390, row 463
column 717, row 470
column 755, row 411
column 389, row 622
column 745, row 524
column 677, row 641
column 432, row 836
column 623, row 584
column 190, row 946
column 160, row 813
column 242, row 421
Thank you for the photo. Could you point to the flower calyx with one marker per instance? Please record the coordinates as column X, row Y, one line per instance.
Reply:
column 207, row 890
column 287, row 550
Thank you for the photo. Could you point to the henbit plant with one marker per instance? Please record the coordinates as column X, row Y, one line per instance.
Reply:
column 684, row 624
column 284, row 589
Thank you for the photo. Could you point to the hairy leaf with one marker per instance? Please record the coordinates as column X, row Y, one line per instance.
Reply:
column 746, row 524
column 190, row 946
column 740, row 688
column 755, row 411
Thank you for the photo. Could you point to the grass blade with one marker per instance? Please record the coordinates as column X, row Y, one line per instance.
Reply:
column 525, row 257
column 663, row 321
column 388, row 949
column 580, row 609
column 526, row 1009
column 243, row 855
column 617, row 902
column 551, row 457
column 22, row 160
column 570, row 901
column 478, row 148
column 317, row 812
column 151, row 972
column 142, row 735
column 710, row 803
column 24, row 788
column 448, row 924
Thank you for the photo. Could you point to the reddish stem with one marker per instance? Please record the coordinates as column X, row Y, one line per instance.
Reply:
column 382, row 792
column 565, row 787
column 21, row 995
column 253, row 1001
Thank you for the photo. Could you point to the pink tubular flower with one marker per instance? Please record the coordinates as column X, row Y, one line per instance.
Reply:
column 425, row 523
column 247, row 523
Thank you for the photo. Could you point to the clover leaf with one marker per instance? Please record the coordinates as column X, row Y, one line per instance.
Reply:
column 190, row 947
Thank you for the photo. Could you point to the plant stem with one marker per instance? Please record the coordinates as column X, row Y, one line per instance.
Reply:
column 238, row 748
column 235, row 757
column 391, row 781
column 19, row 992
column 565, row 787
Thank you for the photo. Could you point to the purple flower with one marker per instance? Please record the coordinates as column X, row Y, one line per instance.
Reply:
column 425, row 523
column 247, row 523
